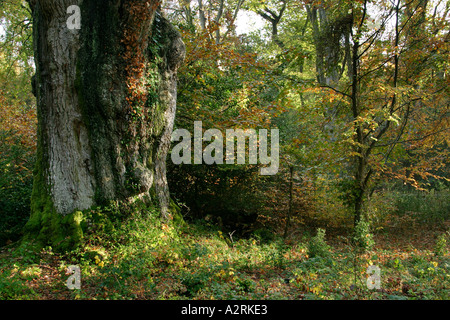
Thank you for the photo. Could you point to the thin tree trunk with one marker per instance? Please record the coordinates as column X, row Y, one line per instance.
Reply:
column 201, row 14
column 291, row 184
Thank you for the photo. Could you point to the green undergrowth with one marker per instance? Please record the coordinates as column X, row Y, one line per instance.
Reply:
column 141, row 257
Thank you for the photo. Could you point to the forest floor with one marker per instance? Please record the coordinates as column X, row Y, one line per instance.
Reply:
column 146, row 259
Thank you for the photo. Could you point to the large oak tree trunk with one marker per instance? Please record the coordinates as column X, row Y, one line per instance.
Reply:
column 106, row 97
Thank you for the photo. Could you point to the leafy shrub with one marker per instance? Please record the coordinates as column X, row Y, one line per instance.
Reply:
column 362, row 238
column 275, row 253
column 14, row 288
column 195, row 282
column 194, row 251
column 245, row 284
column 317, row 246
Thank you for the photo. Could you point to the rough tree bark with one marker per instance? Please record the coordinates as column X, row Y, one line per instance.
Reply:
column 106, row 98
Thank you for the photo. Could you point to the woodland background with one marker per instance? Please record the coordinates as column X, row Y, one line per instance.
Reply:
column 362, row 105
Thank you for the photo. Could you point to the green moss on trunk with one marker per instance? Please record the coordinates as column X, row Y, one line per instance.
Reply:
column 175, row 212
